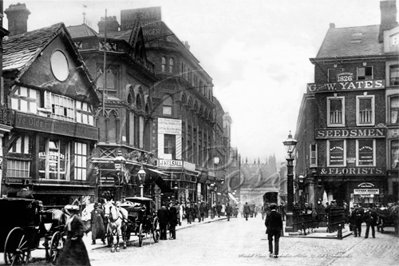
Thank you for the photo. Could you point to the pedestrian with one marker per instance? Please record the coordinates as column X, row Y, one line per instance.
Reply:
column 218, row 209
column 189, row 214
column 163, row 219
column 202, row 209
column 274, row 225
column 229, row 211
column 74, row 251
column 97, row 224
column 180, row 210
column 357, row 220
column 246, row 210
column 172, row 217
column 370, row 218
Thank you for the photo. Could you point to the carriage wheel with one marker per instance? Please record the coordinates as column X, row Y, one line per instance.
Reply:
column 155, row 230
column 141, row 236
column 16, row 249
column 56, row 245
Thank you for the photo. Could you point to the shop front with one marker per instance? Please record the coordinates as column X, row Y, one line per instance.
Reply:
column 354, row 185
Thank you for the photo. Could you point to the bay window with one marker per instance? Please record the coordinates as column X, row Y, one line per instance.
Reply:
column 25, row 100
column 54, row 156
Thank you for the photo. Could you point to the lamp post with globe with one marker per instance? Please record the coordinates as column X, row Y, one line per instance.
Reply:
column 290, row 144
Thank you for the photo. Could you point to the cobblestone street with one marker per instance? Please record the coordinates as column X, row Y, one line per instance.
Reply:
column 241, row 242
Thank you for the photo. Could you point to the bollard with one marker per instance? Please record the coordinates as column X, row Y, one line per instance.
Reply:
column 339, row 231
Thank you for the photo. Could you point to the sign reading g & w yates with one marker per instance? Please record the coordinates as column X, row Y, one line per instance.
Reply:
column 346, row 86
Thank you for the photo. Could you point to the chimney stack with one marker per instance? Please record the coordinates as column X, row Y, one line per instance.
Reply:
column 112, row 24
column 388, row 17
column 332, row 25
column 17, row 16
column 187, row 45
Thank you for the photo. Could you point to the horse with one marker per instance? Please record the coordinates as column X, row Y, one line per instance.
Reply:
column 115, row 217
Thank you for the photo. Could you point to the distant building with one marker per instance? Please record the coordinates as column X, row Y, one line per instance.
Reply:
column 347, row 128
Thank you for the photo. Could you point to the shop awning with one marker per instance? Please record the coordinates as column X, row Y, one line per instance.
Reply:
column 158, row 172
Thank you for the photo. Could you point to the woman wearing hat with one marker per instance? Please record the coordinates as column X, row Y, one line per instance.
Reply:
column 74, row 251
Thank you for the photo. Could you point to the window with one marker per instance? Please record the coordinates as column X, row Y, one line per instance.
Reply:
column 21, row 146
column 364, row 73
column 335, row 111
column 365, row 155
column 111, row 80
column 365, row 110
column 163, row 64
column 53, row 159
column 394, row 154
column 80, row 161
column 393, row 110
column 170, row 146
column 171, row 64
column 83, row 113
column 18, row 168
column 25, row 100
column 141, row 132
column 336, row 155
column 62, row 108
column 131, row 128
column 313, row 155
column 394, row 75
column 167, row 105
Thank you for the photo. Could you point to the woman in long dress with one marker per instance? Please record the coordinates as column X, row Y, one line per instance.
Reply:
column 74, row 251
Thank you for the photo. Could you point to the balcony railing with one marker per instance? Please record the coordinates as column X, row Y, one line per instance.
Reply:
column 365, row 116
column 336, row 117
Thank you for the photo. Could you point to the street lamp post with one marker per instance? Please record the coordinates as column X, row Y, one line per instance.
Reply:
column 290, row 144
column 141, row 175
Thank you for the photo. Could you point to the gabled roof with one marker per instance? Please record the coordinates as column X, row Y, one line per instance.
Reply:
column 350, row 42
column 21, row 50
column 81, row 31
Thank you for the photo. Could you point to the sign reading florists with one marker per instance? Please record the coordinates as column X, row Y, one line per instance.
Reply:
column 351, row 171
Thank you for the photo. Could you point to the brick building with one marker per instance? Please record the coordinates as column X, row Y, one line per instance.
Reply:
column 347, row 127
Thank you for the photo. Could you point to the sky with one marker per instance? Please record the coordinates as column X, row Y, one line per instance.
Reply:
column 256, row 51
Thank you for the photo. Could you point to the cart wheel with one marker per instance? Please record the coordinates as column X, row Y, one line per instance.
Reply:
column 141, row 236
column 155, row 230
column 16, row 249
column 56, row 244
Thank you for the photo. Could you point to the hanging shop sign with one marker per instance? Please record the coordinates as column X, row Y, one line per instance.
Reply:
column 351, row 133
column 170, row 163
column 352, row 171
column 366, row 191
column 346, row 86
column 169, row 126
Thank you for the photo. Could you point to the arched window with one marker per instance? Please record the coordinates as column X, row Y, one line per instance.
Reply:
column 163, row 64
column 171, row 64
column 139, row 104
column 167, row 105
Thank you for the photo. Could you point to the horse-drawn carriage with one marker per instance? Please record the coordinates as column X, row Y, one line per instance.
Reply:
column 388, row 218
column 22, row 228
column 142, row 219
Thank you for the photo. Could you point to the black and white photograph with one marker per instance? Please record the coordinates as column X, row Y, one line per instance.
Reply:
column 199, row 132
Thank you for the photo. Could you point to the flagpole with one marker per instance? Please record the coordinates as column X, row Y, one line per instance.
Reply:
column 105, row 61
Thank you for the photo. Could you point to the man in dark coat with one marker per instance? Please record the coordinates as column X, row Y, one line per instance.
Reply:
column 97, row 224
column 357, row 220
column 218, row 209
column 229, row 211
column 172, row 217
column 246, row 210
column 370, row 218
column 163, row 219
column 274, row 225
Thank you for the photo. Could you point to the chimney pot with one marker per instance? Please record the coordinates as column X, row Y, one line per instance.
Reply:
column 17, row 16
column 332, row 25
column 111, row 22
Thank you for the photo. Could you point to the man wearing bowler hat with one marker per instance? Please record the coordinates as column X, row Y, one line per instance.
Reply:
column 274, row 224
